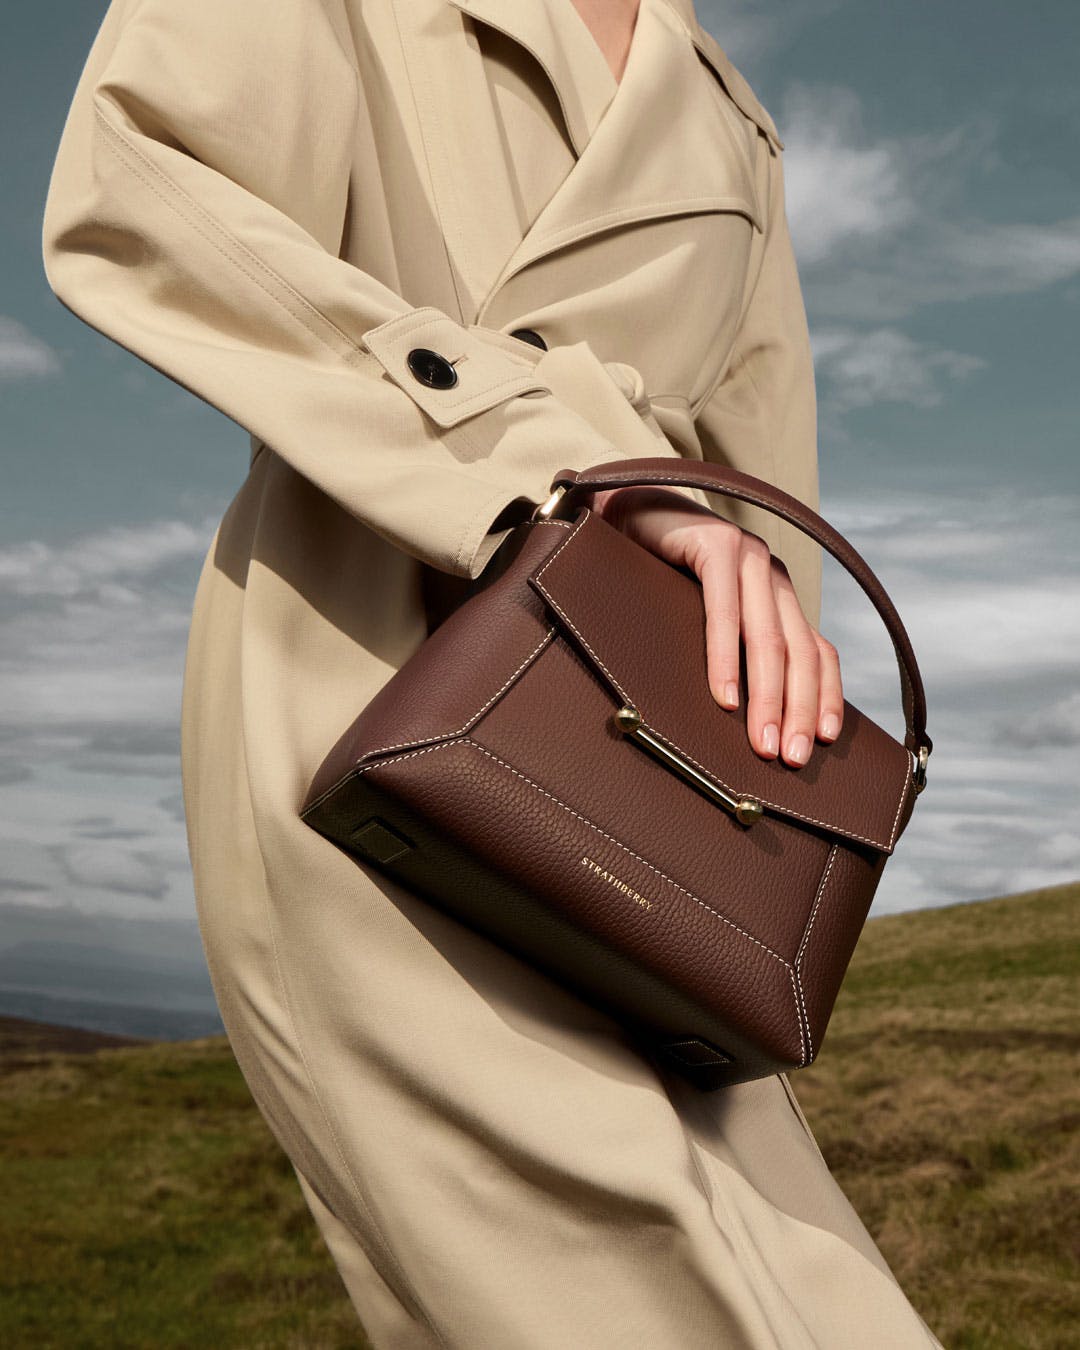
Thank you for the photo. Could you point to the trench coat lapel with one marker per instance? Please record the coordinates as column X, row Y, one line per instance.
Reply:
column 655, row 152
column 646, row 146
column 578, row 72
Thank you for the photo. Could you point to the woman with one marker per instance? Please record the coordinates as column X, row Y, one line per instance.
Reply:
column 429, row 252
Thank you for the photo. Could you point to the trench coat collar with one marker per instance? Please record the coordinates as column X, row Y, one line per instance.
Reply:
column 582, row 78
column 578, row 72
column 646, row 146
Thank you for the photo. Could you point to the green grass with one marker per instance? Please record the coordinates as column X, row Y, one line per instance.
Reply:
column 945, row 1101
column 145, row 1203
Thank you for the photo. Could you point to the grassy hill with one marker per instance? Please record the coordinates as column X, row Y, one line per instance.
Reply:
column 146, row 1205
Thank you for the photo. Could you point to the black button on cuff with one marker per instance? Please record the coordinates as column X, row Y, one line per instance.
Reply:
column 431, row 369
column 530, row 335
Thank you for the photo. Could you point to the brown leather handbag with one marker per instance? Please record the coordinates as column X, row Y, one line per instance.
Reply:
column 551, row 767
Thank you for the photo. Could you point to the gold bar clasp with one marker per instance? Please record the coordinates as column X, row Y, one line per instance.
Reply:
column 745, row 809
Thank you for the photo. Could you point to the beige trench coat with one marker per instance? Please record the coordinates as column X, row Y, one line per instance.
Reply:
column 274, row 202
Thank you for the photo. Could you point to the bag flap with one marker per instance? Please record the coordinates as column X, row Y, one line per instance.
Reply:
column 640, row 623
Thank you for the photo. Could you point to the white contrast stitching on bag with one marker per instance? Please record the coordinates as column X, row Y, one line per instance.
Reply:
column 787, row 810
column 447, row 735
column 710, row 773
column 806, row 939
column 626, row 849
column 467, row 740
column 566, row 618
column 443, row 735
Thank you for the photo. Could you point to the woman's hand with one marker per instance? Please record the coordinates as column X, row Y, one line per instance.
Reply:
column 793, row 673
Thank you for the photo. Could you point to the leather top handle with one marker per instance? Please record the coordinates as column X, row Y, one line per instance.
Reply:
column 568, row 484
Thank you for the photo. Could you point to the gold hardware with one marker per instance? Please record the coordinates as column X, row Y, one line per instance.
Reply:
column 546, row 510
column 748, row 811
column 920, row 768
column 745, row 809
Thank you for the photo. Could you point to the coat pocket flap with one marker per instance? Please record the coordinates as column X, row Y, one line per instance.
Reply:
column 484, row 373
column 640, row 623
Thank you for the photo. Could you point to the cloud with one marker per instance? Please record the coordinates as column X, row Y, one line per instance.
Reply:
column 22, row 355
column 881, row 231
column 100, row 563
column 92, row 636
column 96, row 627
column 836, row 187
column 150, row 960
column 978, row 258
column 988, row 588
column 751, row 29
column 1055, row 724
column 108, row 866
column 940, row 261
column 880, row 225
column 92, row 641
column 859, row 369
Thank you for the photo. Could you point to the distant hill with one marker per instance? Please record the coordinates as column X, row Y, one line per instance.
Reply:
column 145, row 1203
column 101, row 988
column 142, row 1021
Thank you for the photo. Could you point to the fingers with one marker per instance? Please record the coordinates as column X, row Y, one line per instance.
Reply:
column 802, row 674
column 793, row 673
column 766, row 646
column 794, row 690
column 718, row 570
column 831, row 696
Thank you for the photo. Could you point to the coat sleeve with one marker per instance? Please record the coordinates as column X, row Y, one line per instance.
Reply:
column 195, row 214
column 761, row 414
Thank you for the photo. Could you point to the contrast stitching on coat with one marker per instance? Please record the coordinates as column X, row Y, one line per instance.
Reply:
column 118, row 139
column 484, row 512
column 424, row 121
column 518, row 382
column 675, row 205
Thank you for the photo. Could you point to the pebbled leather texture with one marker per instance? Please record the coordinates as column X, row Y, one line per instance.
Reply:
column 488, row 775
column 733, row 483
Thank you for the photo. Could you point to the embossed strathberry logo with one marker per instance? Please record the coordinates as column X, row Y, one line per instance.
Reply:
column 615, row 881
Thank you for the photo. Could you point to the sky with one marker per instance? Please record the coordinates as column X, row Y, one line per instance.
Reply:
column 931, row 167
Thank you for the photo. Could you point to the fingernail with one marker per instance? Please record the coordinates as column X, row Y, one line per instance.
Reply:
column 770, row 740
column 731, row 694
column 830, row 727
column 799, row 749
